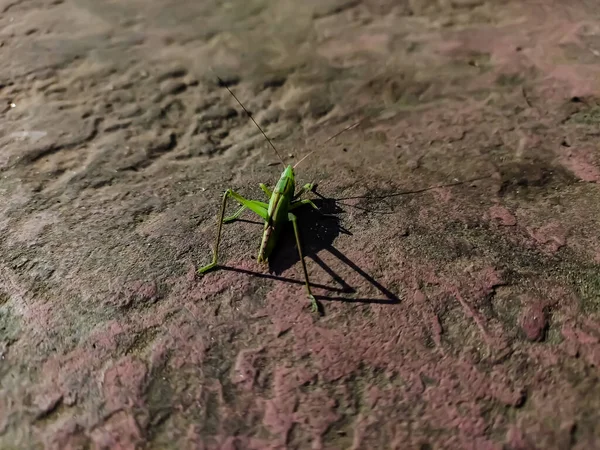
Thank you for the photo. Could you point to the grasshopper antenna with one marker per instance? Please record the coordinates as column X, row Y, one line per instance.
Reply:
column 349, row 127
column 222, row 83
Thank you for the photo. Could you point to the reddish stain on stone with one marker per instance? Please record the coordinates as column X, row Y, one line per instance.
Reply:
column 533, row 319
column 196, row 439
column 47, row 402
column 71, row 436
column 593, row 356
column 502, row 215
column 3, row 412
column 328, row 349
column 579, row 336
column 191, row 273
column 120, row 431
column 72, row 370
column 107, row 338
column 581, row 163
column 373, row 394
column 244, row 371
column 316, row 413
column 286, row 308
column 279, row 411
column 592, row 325
column 516, row 440
column 212, row 284
column 551, row 236
column 431, row 320
column 135, row 293
column 488, row 278
column 581, row 342
column 184, row 344
column 123, row 383
column 443, row 194
column 474, row 289
column 581, row 77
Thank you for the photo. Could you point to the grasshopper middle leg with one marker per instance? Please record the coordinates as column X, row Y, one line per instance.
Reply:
column 299, row 203
column 306, row 188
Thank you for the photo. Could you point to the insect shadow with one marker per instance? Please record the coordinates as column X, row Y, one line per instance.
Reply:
column 319, row 229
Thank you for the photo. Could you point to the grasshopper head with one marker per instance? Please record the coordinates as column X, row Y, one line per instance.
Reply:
column 289, row 172
column 288, row 175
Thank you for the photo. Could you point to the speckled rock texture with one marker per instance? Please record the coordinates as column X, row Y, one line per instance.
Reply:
column 458, row 265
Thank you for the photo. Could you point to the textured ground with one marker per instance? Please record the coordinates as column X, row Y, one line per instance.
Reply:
column 459, row 275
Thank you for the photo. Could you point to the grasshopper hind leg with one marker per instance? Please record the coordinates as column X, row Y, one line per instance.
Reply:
column 313, row 300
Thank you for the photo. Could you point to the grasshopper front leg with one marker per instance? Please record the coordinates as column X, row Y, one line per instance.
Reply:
column 239, row 212
column 306, row 188
column 259, row 208
column 268, row 192
column 313, row 300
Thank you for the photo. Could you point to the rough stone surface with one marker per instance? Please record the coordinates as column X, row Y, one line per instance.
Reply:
column 459, row 271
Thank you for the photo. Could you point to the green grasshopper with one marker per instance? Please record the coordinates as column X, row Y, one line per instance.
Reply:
column 276, row 213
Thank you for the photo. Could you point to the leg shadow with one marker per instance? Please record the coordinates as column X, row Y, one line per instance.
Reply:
column 318, row 231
